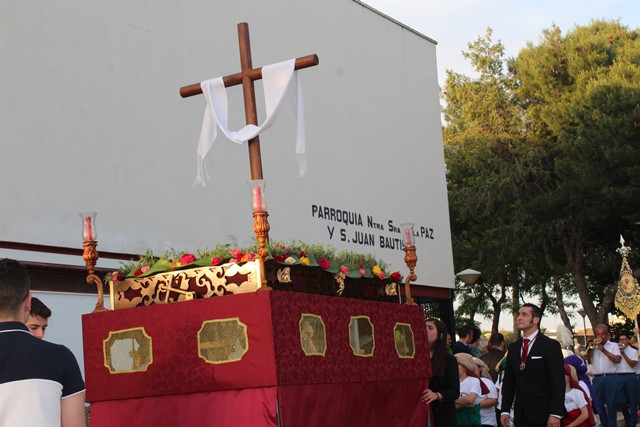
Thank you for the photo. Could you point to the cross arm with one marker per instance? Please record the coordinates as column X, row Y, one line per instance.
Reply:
column 255, row 74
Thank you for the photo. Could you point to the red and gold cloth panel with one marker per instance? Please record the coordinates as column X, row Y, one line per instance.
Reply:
column 336, row 385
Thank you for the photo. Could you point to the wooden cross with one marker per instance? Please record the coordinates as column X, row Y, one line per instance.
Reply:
column 246, row 77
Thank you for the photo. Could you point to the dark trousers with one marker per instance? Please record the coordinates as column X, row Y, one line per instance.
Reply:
column 607, row 388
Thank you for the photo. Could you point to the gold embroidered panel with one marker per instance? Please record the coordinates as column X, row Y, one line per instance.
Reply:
column 222, row 340
column 184, row 285
column 361, row 338
column 127, row 350
column 313, row 338
column 403, row 336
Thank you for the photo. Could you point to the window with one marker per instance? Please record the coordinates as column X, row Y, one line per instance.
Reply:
column 128, row 350
column 403, row 336
column 222, row 340
column 313, row 337
column 361, row 336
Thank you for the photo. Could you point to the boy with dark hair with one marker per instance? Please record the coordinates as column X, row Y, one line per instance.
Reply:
column 38, row 318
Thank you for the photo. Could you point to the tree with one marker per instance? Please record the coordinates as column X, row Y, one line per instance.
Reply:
column 581, row 94
column 541, row 165
column 490, row 168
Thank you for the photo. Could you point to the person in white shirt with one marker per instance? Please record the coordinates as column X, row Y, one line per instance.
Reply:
column 488, row 401
column 604, row 360
column 628, row 382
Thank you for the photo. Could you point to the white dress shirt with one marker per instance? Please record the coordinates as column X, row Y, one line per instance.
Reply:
column 601, row 364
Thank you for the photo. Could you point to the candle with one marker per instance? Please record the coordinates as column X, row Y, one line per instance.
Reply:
column 408, row 233
column 257, row 199
column 87, row 232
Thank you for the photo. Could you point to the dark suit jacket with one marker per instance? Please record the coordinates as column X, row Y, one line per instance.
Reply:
column 460, row 347
column 539, row 389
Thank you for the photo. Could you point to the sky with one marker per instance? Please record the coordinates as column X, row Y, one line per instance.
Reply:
column 455, row 23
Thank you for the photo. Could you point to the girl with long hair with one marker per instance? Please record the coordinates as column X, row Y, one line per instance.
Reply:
column 444, row 386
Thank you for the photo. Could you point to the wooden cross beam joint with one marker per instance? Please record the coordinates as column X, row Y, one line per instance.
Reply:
column 246, row 77
column 254, row 74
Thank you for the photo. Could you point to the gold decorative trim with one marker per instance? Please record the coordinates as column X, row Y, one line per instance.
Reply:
column 313, row 335
column 183, row 285
column 116, row 350
column 361, row 336
column 339, row 278
column 222, row 340
column 284, row 275
column 404, row 342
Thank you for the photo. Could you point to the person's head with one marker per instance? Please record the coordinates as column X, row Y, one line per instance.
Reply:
column 476, row 333
column 483, row 345
column 38, row 318
column 465, row 362
column 624, row 340
column 436, row 333
column 496, row 341
column 465, row 333
column 438, row 337
column 602, row 332
column 570, row 376
column 15, row 296
column 529, row 317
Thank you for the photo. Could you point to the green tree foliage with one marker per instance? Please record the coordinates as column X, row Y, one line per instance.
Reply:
column 581, row 95
column 542, row 170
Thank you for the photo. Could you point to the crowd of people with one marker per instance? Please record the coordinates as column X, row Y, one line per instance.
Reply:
column 534, row 382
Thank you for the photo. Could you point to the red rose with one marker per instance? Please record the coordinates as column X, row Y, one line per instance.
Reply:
column 236, row 253
column 281, row 258
column 396, row 276
column 187, row 258
column 216, row 261
column 138, row 272
column 324, row 263
column 344, row 269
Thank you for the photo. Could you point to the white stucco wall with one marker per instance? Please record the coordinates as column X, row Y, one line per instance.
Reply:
column 91, row 119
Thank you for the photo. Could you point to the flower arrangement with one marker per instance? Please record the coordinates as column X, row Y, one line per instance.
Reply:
column 349, row 263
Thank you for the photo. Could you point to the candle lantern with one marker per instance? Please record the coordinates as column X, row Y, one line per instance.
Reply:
column 90, row 254
column 260, row 224
column 258, row 196
column 410, row 258
column 89, row 231
column 407, row 234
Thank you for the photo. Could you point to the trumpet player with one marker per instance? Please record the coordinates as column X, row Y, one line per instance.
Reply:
column 628, row 382
column 605, row 360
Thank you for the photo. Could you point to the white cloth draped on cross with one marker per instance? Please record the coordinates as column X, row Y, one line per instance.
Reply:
column 281, row 89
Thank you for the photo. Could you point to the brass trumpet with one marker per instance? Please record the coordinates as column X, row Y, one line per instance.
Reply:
column 593, row 343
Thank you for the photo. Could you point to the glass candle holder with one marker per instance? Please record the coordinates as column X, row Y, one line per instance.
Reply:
column 407, row 234
column 89, row 231
column 258, row 196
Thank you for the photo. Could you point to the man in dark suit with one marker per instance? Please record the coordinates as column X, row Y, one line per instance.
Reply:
column 534, row 376
column 465, row 334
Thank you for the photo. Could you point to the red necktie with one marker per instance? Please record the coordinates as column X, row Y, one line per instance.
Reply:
column 525, row 350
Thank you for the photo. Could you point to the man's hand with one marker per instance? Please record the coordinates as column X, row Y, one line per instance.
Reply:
column 553, row 421
column 504, row 420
